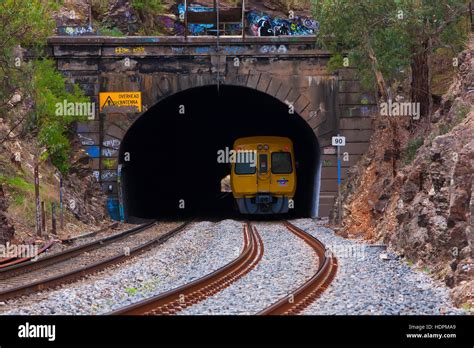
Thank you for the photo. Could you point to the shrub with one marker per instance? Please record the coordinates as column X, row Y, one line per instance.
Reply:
column 411, row 148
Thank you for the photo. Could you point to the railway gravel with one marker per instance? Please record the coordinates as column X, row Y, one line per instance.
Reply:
column 286, row 264
column 368, row 284
column 200, row 249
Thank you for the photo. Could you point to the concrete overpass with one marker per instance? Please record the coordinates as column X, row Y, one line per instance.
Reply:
column 260, row 85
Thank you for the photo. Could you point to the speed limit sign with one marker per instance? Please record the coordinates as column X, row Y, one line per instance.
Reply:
column 338, row 141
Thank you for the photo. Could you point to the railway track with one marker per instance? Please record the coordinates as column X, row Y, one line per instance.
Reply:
column 28, row 266
column 175, row 300
column 77, row 262
column 304, row 295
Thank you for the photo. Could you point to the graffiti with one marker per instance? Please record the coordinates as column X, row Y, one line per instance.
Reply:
column 85, row 140
column 364, row 101
column 200, row 29
column 109, row 152
column 177, row 50
column 149, row 39
column 107, row 175
column 264, row 25
column 202, row 50
column 113, row 143
column 96, row 175
column 125, row 50
column 75, row 30
column 93, row 151
column 273, row 49
column 233, row 50
column 196, row 29
column 113, row 208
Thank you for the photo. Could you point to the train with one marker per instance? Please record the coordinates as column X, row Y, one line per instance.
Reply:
column 263, row 176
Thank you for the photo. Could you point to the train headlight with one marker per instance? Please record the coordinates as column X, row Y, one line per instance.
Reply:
column 265, row 147
column 259, row 147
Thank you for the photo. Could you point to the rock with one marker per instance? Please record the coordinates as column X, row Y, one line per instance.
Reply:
column 6, row 229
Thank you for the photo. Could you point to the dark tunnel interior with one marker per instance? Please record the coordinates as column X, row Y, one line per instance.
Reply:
column 173, row 171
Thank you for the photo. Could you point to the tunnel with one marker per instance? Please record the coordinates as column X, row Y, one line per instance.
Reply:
column 169, row 154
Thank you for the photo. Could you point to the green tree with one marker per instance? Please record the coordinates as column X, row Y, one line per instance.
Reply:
column 384, row 39
column 49, row 88
column 27, row 24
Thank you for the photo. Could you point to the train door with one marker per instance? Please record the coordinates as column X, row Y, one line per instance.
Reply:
column 263, row 175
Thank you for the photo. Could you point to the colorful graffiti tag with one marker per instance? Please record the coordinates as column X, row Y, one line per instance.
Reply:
column 201, row 29
column 76, row 30
column 264, row 25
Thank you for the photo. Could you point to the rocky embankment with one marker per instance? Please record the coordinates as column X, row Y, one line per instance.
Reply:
column 422, row 207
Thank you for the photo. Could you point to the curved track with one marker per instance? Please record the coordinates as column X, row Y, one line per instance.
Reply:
column 189, row 294
column 303, row 296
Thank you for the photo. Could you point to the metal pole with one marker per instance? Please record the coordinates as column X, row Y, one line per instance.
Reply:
column 37, row 198
column 339, row 203
column 43, row 217
column 185, row 19
column 218, row 56
column 243, row 20
column 61, row 209
column 53, row 218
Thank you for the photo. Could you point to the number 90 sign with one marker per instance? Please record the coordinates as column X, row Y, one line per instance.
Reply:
column 338, row 141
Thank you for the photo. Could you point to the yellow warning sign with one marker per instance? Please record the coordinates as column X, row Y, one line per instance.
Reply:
column 121, row 99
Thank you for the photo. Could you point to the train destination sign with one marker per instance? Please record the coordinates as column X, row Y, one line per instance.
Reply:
column 113, row 100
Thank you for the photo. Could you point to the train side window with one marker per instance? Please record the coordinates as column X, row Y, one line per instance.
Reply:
column 263, row 164
column 281, row 163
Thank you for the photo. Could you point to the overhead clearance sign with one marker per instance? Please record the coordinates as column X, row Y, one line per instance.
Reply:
column 121, row 99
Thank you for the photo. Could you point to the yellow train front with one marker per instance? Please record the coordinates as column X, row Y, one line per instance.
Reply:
column 263, row 177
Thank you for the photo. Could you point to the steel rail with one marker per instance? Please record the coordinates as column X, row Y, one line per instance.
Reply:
column 28, row 266
column 81, row 272
column 175, row 300
column 304, row 295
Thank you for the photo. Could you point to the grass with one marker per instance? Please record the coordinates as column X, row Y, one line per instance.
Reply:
column 426, row 270
column 466, row 307
column 131, row 291
column 18, row 183
column 410, row 150
column 410, row 263
column 104, row 31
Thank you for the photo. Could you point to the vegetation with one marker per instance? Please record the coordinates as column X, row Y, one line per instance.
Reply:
column 147, row 10
column 411, row 148
column 388, row 40
column 105, row 31
column 36, row 80
column 131, row 291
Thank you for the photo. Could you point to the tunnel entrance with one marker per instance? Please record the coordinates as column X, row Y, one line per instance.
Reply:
column 173, row 171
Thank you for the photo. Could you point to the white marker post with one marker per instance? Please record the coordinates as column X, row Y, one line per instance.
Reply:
column 339, row 141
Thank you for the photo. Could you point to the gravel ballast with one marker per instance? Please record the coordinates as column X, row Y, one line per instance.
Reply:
column 200, row 249
column 367, row 284
column 287, row 263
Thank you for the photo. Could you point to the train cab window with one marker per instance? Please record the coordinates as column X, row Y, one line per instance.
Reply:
column 262, row 164
column 281, row 163
column 244, row 168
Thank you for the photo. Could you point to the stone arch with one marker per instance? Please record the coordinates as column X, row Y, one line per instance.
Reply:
column 284, row 98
